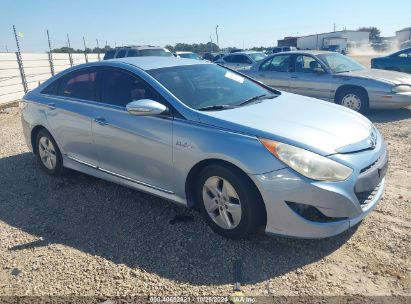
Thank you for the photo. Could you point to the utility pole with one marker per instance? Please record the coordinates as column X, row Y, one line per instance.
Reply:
column 7, row 50
column 211, row 44
column 334, row 27
column 216, row 33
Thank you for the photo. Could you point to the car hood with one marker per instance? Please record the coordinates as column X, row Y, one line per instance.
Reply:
column 380, row 75
column 312, row 124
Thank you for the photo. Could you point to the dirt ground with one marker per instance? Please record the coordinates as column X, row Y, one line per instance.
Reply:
column 78, row 235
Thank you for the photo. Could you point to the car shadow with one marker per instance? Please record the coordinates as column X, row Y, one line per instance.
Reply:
column 139, row 230
column 383, row 116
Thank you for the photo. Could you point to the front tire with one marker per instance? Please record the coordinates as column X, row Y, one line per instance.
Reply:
column 229, row 202
column 48, row 153
column 354, row 99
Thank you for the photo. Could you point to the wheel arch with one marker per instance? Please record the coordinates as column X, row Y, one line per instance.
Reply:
column 195, row 171
column 33, row 136
column 347, row 87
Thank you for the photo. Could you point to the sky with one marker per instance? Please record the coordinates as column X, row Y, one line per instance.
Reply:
column 242, row 23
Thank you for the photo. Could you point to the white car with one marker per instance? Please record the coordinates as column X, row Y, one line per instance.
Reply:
column 188, row 55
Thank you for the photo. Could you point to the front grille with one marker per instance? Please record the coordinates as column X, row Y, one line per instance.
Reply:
column 370, row 166
column 365, row 198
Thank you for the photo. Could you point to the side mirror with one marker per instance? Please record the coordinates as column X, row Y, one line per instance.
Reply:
column 146, row 107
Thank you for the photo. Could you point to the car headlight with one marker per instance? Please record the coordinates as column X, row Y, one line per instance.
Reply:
column 402, row 88
column 307, row 163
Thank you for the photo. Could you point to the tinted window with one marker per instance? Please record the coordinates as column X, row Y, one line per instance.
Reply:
column 278, row 63
column 205, row 85
column 121, row 54
column 109, row 54
column 229, row 58
column 119, row 88
column 79, row 85
column 51, row 89
column 132, row 53
column 156, row 52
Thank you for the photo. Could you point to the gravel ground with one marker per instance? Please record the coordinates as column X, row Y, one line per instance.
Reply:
column 78, row 235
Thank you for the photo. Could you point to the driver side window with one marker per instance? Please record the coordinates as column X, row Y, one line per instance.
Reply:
column 306, row 64
column 278, row 63
column 119, row 88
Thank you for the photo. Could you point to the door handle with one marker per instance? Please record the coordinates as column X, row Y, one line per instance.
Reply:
column 51, row 106
column 101, row 121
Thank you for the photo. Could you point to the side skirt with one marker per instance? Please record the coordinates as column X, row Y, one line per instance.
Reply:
column 77, row 165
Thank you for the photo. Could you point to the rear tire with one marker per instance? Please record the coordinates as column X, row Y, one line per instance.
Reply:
column 48, row 153
column 229, row 202
column 354, row 99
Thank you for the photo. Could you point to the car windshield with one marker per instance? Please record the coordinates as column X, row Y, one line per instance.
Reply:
column 338, row 63
column 189, row 56
column 156, row 52
column 203, row 86
column 257, row 56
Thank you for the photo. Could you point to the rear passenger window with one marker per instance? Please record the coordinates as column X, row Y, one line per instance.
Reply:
column 120, row 88
column 79, row 85
column 121, row 54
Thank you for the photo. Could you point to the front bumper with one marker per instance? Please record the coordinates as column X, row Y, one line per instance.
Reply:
column 343, row 203
column 390, row 100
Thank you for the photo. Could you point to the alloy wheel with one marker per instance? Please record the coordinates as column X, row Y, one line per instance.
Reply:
column 222, row 202
column 47, row 153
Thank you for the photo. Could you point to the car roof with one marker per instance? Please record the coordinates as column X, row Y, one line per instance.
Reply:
column 151, row 62
column 139, row 47
column 184, row 53
column 308, row 52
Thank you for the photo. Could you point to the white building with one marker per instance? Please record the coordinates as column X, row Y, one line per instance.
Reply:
column 341, row 38
column 403, row 35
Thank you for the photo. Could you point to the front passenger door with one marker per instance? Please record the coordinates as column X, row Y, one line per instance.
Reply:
column 308, row 78
column 137, row 148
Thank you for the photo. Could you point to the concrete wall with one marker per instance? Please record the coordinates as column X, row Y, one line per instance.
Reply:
column 36, row 68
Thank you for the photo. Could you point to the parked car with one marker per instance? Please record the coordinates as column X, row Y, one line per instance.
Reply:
column 188, row 55
column 198, row 134
column 280, row 49
column 398, row 61
column 137, row 51
column 241, row 60
column 334, row 77
column 213, row 56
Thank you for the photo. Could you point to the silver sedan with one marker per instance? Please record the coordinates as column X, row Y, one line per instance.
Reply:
column 334, row 77
column 198, row 134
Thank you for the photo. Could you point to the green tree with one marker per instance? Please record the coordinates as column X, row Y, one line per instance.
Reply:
column 375, row 33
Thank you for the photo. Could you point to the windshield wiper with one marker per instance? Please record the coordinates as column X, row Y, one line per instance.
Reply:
column 255, row 98
column 216, row 107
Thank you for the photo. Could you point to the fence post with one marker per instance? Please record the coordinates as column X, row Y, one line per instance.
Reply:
column 85, row 49
column 21, row 69
column 50, row 55
column 20, row 62
column 69, row 50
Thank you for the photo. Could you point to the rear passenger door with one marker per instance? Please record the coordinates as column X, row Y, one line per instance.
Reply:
column 70, row 111
column 274, row 72
column 136, row 148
